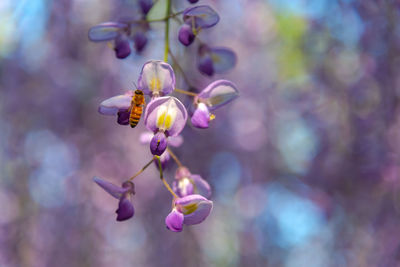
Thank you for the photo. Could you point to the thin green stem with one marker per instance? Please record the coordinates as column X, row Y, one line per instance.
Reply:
column 185, row 92
column 168, row 13
column 174, row 157
column 163, row 180
column 173, row 15
column 145, row 167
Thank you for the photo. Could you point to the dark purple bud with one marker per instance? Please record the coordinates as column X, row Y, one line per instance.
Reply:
column 123, row 117
column 140, row 41
column 205, row 65
column 122, row 48
column 145, row 5
column 193, row 1
column 186, row 35
column 158, row 144
column 125, row 209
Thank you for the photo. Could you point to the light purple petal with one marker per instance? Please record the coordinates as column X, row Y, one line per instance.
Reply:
column 223, row 59
column 201, row 116
column 201, row 186
column 112, row 189
column 146, row 137
column 218, row 94
column 195, row 208
column 156, row 78
column 112, row 105
column 165, row 114
column 182, row 172
column 186, row 35
column 183, row 187
column 158, row 144
column 105, row 31
column 204, row 16
column 125, row 209
column 174, row 221
column 175, row 141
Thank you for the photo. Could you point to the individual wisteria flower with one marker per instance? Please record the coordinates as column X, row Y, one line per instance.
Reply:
column 215, row 59
column 118, row 105
column 112, row 31
column 188, row 184
column 124, row 193
column 189, row 210
column 193, row 1
column 195, row 19
column 145, row 6
column 175, row 141
column 157, row 78
column 215, row 95
column 164, row 116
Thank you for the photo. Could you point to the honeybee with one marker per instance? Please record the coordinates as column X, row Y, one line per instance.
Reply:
column 136, row 108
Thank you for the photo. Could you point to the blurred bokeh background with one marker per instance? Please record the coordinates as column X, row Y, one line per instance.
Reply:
column 304, row 165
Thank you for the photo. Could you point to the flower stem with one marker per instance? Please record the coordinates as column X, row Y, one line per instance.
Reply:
column 168, row 13
column 185, row 92
column 174, row 157
column 163, row 180
column 173, row 15
column 145, row 167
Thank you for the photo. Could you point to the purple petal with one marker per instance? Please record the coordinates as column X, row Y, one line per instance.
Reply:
column 201, row 116
column 193, row 1
column 125, row 209
column 186, row 35
column 182, row 172
column 165, row 114
column 158, row 144
column 112, row 105
column 205, row 65
column 164, row 158
column 156, row 78
column 223, row 59
column 105, row 31
column 218, row 93
column 123, row 117
column 175, row 141
column 112, row 189
column 140, row 41
column 174, row 221
column 183, row 187
column 145, row 5
column 195, row 208
column 201, row 186
column 146, row 137
column 203, row 16
column 122, row 47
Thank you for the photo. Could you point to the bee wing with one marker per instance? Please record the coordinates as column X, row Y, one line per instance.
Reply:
column 112, row 105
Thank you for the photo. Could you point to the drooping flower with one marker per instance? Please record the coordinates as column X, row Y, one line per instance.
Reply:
column 174, row 141
column 187, row 184
column 112, row 31
column 215, row 95
column 165, row 116
column 157, row 78
column 124, row 193
column 145, row 6
column 118, row 105
column 193, row 208
column 215, row 59
column 195, row 19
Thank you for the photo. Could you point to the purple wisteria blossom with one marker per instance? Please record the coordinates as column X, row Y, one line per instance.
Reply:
column 124, row 193
column 165, row 116
column 215, row 95
column 157, row 78
column 112, row 31
column 195, row 19
column 118, row 105
column 145, row 6
column 188, row 184
column 174, row 141
column 215, row 59
column 193, row 1
column 189, row 210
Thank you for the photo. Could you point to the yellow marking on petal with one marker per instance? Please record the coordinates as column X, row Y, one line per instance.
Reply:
column 161, row 119
column 110, row 45
column 215, row 58
column 190, row 208
column 212, row 116
column 155, row 84
column 168, row 121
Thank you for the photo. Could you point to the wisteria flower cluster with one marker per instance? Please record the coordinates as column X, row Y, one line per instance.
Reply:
column 165, row 116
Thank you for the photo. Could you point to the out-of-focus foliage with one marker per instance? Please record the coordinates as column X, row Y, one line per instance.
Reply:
column 305, row 164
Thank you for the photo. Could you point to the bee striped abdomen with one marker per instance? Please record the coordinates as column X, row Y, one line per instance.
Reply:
column 135, row 115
